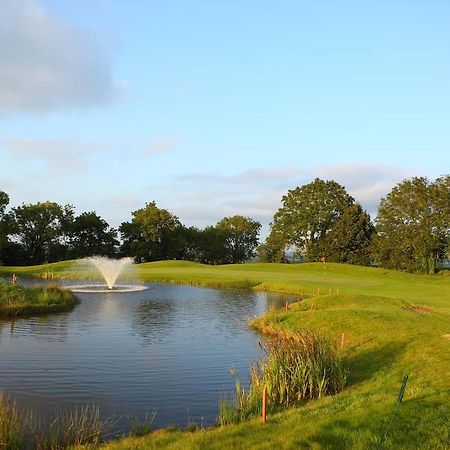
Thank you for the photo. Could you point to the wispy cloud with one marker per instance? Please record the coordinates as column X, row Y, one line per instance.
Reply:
column 368, row 183
column 163, row 145
column 64, row 155
column 47, row 63
column 206, row 197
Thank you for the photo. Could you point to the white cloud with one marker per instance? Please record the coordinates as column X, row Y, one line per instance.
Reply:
column 47, row 64
column 367, row 183
column 61, row 156
column 204, row 198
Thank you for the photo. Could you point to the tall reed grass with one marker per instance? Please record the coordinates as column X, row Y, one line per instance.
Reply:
column 293, row 368
column 12, row 430
column 70, row 427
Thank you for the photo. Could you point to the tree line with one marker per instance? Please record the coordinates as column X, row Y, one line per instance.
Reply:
column 48, row 232
column 317, row 221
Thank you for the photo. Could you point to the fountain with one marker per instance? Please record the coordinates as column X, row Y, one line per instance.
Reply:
column 110, row 269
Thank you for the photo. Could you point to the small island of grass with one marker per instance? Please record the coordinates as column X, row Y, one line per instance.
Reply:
column 18, row 301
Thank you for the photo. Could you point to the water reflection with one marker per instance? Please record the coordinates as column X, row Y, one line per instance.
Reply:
column 168, row 348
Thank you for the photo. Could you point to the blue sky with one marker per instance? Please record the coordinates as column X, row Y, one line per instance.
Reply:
column 214, row 108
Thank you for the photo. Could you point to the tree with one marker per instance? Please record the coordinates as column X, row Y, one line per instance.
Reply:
column 349, row 241
column 91, row 235
column 308, row 214
column 37, row 227
column 211, row 244
column 241, row 237
column 274, row 249
column 413, row 225
column 4, row 201
column 151, row 235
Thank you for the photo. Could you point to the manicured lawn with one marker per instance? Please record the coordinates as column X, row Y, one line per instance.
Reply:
column 394, row 324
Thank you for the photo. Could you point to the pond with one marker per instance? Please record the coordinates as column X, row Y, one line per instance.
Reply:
column 168, row 348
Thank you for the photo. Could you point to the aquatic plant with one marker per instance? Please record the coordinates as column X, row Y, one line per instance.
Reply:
column 293, row 367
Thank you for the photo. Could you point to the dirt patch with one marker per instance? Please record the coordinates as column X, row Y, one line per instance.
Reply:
column 446, row 336
column 418, row 309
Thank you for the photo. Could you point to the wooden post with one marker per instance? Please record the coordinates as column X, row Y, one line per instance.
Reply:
column 342, row 340
column 264, row 404
column 286, row 307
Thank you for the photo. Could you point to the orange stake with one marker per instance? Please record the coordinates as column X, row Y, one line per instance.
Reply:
column 264, row 403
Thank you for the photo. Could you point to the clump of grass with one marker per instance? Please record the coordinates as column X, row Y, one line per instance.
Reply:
column 76, row 426
column 293, row 368
column 142, row 427
column 12, row 435
column 21, row 301
column 71, row 427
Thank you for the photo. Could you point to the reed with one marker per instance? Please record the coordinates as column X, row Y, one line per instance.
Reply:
column 75, row 426
column 142, row 427
column 12, row 429
column 293, row 368
column 69, row 427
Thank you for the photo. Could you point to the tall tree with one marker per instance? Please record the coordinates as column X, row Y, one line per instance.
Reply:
column 151, row 235
column 349, row 241
column 91, row 235
column 241, row 237
column 309, row 213
column 37, row 227
column 413, row 224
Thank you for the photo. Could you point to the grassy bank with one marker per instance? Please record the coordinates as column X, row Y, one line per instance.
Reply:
column 17, row 301
column 386, row 324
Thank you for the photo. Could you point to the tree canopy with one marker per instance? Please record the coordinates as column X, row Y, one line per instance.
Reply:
column 308, row 213
column 413, row 224
column 317, row 219
column 150, row 234
column 241, row 237
column 91, row 235
column 38, row 226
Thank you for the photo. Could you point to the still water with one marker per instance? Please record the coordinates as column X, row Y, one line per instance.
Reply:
column 168, row 348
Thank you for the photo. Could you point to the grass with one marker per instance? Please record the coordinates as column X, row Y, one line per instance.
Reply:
column 19, row 301
column 386, row 325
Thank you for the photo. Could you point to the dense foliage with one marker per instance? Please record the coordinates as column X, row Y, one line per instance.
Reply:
column 413, row 225
column 317, row 221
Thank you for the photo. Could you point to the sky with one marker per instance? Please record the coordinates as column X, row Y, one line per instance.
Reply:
column 216, row 108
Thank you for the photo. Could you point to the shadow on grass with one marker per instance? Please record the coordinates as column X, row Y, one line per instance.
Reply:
column 417, row 423
column 366, row 364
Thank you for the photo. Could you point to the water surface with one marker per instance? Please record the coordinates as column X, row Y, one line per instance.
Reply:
column 168, row 348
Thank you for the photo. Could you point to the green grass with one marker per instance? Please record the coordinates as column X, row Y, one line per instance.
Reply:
column 393, row 324
column 17, row 301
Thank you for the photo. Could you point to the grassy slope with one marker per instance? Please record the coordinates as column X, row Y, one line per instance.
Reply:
column 385, row 338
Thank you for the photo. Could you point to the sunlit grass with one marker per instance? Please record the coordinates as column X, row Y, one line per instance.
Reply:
column 386, row 324
column 16, row 301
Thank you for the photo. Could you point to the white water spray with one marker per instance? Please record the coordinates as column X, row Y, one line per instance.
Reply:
column 110, row 268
